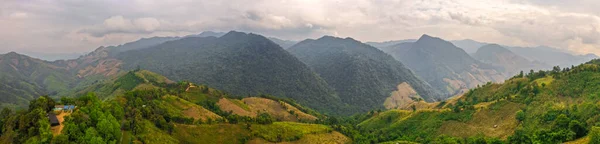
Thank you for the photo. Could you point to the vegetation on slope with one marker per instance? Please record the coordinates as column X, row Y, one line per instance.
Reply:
column 555, row 106
column 362, row 75
column 239, row 63
column 444, row 66
column 169, row 113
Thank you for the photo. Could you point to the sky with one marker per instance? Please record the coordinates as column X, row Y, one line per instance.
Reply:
column 76, row 26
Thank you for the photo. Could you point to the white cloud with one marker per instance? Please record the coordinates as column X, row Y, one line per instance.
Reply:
column 18, row 15
column 84, row 25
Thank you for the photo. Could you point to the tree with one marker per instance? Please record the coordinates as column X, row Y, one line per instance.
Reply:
column 578, row 128
column 520, row 116
column 595, row 135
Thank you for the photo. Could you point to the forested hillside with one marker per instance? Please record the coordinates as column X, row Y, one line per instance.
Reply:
column 446, row 67
column 167, row 113
column 23, row 78
column 239, row 63
column 555, row 106
column 362, row 75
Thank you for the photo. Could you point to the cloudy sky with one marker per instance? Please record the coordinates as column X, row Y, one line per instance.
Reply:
column 59, row 26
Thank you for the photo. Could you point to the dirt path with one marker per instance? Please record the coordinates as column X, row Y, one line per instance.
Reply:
column 57, row 129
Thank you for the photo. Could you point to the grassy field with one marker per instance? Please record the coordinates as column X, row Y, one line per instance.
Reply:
column 322, row 138
column 501, row 115
column 236, row 107
column 214, row 134
column 287, row 131
column 279, row 110
column 545, row 81
column 181, row 107
column 153, row 135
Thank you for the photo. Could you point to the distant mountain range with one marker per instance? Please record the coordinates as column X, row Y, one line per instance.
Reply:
column 239, row 63
column 510, row 62
column 543, row 54
column 389, row 43
column 362, row 75
column 446, row 67
column 285, row 44
column 332, row 75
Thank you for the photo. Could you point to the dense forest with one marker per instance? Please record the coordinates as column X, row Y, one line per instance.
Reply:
column 170, row 113
column 362, row 75
column 241, row 64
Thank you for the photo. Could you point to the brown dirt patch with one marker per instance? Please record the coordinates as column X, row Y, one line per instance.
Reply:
column 279, row 110
column 227, row 105
column 56, row 130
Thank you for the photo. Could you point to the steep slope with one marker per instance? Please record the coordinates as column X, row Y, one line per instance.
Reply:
column 543, row 107
column 23, row 78
column 446, row 67
column 501, row 57
column 362, row 75
column 239, row 63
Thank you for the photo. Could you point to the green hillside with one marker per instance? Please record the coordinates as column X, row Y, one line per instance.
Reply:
column 24, row 78
column 555, row 106
column 239, row 63
column 444, row 66
column 362, row 75
column 166, row 113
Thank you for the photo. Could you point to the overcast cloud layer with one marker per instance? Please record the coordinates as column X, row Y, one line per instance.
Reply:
column 80, row 26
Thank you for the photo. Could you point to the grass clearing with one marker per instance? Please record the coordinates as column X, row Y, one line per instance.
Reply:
column 153, row 135
column 279, row 110
column 214, row 134
column 545, row 81
column 228, row 105
column 287, row 131
column 177, row 106
column 484, row 120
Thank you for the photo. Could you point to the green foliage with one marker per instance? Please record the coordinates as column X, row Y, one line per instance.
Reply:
column 287, row 131
column 362, row 75
column 595, row 135
column 520, row 115
column 241, row 64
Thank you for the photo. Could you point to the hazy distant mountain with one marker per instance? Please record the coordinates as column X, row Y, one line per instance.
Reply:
column 511, row 63
column 363, row 75
column 470, row 46
column 551, row 56
column 285, row 44
column 239, row 63
column 547, row 55
column 389, row 43
column 153, row 41
column 446, row 67
column 208, row 34
column 53, row 56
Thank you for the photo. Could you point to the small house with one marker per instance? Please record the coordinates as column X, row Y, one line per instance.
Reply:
column 53, row 119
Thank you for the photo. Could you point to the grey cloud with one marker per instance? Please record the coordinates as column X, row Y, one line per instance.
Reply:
column 83, row 25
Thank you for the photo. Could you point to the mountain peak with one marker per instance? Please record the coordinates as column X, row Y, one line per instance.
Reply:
column 234, row 34
column 428, row 38
column 333, row 38
column 12, row 54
